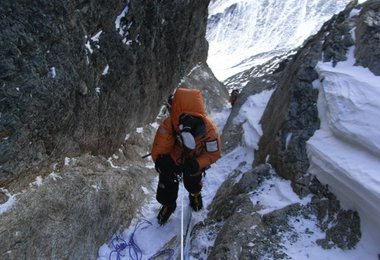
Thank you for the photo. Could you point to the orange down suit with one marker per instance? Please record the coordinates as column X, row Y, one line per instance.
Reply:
column 207, row 150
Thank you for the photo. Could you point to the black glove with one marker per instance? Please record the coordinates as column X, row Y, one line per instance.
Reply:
column 164, row 163
column 190, row 166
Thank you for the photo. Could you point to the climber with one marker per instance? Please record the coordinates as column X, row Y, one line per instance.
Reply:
column 234, row 95
column 186, row 143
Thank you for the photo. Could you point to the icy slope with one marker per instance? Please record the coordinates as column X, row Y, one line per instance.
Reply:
column 243, row 33
column 345, row 152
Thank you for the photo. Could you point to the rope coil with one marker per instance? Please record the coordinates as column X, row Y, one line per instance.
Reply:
column 135, row 253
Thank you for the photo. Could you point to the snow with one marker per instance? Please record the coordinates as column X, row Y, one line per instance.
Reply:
column 105, row 70
column 145, row 190
column 249, row 115
column 123, row 30
column 275, row 193
column 9, row 203
column 345, row 152
column 69, row 161
column 52, row 72
column 112, row 165
column 88, row 45
column 37, row 182
column 305, row 247
column 95, row 38
column 54, row 176
column 118, row 18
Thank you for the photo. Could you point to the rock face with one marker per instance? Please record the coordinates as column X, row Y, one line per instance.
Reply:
column 71, row 82
column 367, row 37
column 236, row 229
column 77, row 76
column 215, row 94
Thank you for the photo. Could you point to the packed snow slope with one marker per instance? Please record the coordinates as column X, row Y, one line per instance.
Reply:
column 244, row 33
column 345, row 152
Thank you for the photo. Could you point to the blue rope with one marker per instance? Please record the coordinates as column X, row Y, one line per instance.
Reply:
column 135, row 252
column 119, row 248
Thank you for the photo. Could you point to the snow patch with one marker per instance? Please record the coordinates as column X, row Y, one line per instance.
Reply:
column 37, row 182
column 9, row 203
column 69, row 161
column 145, row 190
column 274, row 194
column 52, row 72
column 54, row 176
column 250, row 115
column 105, row 70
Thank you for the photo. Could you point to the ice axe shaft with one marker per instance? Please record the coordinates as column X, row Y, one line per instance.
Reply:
column 149, row 154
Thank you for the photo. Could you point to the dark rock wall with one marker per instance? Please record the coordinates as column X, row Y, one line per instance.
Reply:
column 55, row 100
column 66, row 93
column 368, row 37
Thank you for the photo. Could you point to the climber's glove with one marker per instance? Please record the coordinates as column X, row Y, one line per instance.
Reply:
column 164, row 163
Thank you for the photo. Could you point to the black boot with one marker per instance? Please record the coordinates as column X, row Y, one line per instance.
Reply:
column 196, row 201
column 165, row 212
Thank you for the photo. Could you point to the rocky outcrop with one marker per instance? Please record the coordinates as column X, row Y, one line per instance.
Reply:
column 77, row 78
column 73, row 83
column 368, row 37
column 80, row 205
column 237, row 230
column 215, row 94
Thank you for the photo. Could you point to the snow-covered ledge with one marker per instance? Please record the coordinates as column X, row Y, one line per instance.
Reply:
column 345, row 152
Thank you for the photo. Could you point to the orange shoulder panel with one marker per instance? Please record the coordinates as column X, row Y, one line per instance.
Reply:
column 164, row 140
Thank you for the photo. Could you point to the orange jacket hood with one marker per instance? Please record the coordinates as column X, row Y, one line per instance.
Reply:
column 187, row 101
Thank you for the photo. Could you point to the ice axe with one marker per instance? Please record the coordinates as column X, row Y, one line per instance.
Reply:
column 149, row 154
